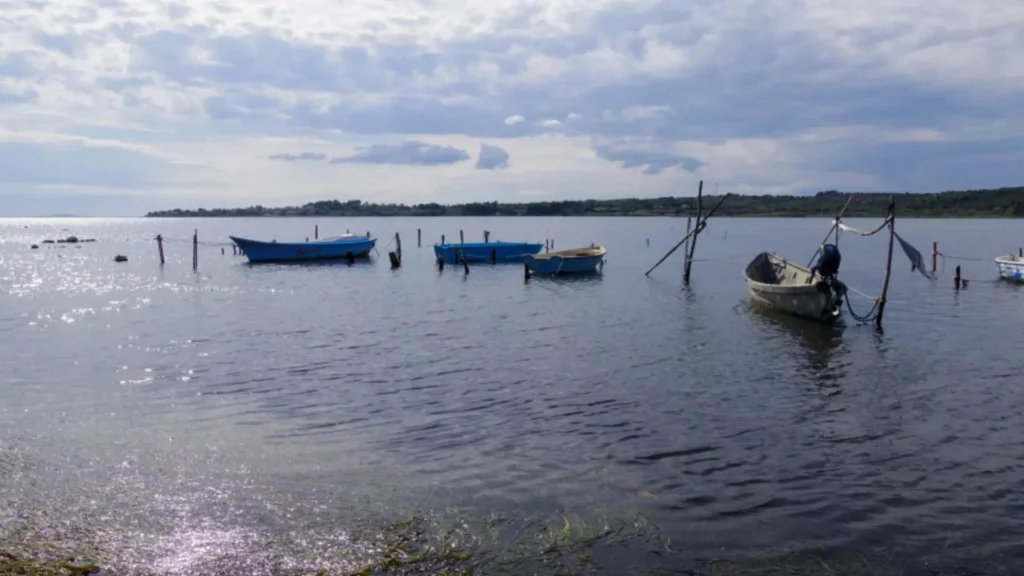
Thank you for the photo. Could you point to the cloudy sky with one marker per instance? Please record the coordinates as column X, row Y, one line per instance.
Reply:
column 122, row 106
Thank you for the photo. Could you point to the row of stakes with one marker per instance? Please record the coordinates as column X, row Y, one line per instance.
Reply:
column 395, row 256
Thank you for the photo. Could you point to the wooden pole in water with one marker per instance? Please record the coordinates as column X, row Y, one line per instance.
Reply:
column 465, row 262
column 398, row 242
column 834, row 228
column 935, row 255
column 195, row 251
column 689, row 221
column 487, row 236
column 700, row 224
column 316, row 232
column 419, row 238
column 956, row 279
column 888, row 264
column 462, row 239
column 160, row 247
column 693, row 241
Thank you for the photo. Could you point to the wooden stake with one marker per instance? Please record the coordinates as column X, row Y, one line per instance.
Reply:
column 956, row 279
column 888, row 264
column 693, row 241
column 834, row 228
column 935, row 255
column 462, row 239
column 398, row 242
column 160, row 247
column 487, row 236
column 316, row 232
column 419, row 238
column 698, row 228
column 195, row 251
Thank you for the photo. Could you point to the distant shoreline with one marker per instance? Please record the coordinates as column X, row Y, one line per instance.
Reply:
column 1002, row 203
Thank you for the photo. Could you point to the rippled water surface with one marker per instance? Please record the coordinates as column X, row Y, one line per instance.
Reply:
column 272, row 415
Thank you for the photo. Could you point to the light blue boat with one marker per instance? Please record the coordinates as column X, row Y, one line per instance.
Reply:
column 338, row 247
column 486, row 251
column 1011, row 267
column 575, row 261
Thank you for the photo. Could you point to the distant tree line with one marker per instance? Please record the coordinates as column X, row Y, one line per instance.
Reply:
column 999, row 203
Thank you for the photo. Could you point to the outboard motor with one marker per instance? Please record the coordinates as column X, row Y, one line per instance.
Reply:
column 827, row 267
column 828, row 262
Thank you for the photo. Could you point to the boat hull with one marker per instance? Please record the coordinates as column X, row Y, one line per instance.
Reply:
column 258, row 251
column 789, row 291
column 1011, row 268
column 580, row 261
column 486, row 251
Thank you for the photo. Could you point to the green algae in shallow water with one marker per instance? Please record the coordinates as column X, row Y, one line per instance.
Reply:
column 11, row 565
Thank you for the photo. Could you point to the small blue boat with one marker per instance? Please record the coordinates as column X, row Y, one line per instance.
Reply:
column 486, row 251
column 575, row 261
column 1011, row 267
column 334, row 248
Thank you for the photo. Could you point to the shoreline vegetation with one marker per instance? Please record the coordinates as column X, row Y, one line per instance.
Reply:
column 996, row 203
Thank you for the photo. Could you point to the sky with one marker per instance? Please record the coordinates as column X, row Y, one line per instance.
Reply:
column 118, row 107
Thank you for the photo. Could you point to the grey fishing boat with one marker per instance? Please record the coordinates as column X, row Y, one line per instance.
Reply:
column 793, row 289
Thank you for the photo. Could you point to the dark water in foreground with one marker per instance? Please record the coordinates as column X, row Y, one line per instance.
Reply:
column 264, row 419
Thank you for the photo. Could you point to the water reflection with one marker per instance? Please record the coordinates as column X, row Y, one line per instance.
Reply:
column 818, row 343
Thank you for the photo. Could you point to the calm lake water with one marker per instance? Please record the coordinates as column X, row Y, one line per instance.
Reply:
column 273, row 419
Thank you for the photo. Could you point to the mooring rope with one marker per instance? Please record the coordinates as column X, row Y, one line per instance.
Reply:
column 846, row 228
column 871, row 315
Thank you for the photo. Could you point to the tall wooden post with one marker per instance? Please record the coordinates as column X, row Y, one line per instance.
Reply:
column 888, row 264
column 487, row 236
column 160, row 247
column 935, row 255
column 316, row 232
column 195, row 251
column 462, row 239
column 398, row 242
column 693, row 241
column 419, row 238
column 686, row 245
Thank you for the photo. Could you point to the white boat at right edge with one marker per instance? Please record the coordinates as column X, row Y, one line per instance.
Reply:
column 1011, row 267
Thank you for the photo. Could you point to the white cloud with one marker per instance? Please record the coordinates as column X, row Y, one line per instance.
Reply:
column 757, row 95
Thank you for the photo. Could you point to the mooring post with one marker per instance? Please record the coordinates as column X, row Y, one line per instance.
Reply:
column 686, row 240
column 693, row 241
column 440, row 262
column 160, row 247
column 419, row 238
column 195, row 251
column 487, row 236
column 935, row 255
column 465, row 262
column 398, row 242
column 888, row 264
column 316, row 232
column 956, row 279
column 462, row 239
column 701, row 223
column 442, row 238
column 547, row 243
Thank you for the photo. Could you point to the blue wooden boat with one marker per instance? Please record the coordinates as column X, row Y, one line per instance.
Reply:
column 575, row 261
column 334, row 248
column 486, row 251
column 1011, row 267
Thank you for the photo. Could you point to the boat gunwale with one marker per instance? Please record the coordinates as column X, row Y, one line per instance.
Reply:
column 596, row 252
column 780, row 288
